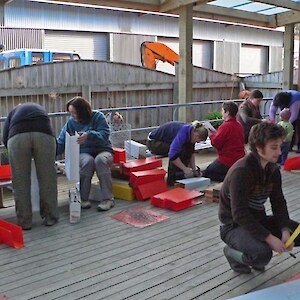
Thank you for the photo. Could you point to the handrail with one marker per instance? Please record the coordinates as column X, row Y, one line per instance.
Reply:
column 169, row 105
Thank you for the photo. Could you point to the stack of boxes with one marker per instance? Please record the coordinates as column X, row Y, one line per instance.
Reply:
column 148, row 183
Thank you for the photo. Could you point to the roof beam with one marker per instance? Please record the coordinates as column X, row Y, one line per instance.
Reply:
column 286, row 18
column 145, row 5
column 171, row 5
column 231, row 15
column 281, row 3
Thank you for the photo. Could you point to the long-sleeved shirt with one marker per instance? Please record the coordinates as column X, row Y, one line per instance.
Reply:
column 27, row 117
column 244, row 192
column 248, row 115
column 182, row 138
column 229, row 142
column 97, row 130
column 294, row 107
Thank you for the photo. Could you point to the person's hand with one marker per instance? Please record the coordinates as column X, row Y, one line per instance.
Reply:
column 82, row 137
column 188, row 173
column 275, row 243
column 285, row 236
column 197, row 172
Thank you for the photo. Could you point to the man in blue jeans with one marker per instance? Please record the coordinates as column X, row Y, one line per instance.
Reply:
column 250, row 234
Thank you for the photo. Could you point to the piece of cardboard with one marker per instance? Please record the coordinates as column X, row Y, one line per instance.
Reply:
column 72, row 157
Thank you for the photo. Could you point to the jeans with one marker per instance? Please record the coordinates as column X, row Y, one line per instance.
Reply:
column 101, row 164
column 256, row 252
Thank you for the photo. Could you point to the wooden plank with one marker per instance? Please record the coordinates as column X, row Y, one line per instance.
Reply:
column 180, row 258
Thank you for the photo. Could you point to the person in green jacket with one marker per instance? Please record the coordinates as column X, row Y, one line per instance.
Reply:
column 285, row 115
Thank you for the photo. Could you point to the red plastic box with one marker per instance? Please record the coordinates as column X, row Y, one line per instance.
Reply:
column 5, row 172
column 119, row 155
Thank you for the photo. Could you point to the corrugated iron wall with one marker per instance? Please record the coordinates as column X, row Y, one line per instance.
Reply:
column 13, row 38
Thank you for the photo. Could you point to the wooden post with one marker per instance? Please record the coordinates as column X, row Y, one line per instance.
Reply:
column 86, row 92
column 288, row 61
column 2, row 12
column 185, row 74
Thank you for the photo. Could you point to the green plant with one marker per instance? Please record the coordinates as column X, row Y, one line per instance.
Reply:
column 215, row 117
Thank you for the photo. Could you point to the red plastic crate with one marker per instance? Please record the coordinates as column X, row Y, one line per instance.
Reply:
column 5, row 172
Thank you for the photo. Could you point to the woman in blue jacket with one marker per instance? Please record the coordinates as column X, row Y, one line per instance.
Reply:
column 96, row 153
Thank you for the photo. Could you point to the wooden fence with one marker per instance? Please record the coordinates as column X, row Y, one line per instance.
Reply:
column 109, row 84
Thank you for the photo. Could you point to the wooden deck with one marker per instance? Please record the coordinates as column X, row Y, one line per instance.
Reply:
column 102, row 258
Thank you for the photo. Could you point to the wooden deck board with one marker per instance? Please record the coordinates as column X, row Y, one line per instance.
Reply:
column 102, row 258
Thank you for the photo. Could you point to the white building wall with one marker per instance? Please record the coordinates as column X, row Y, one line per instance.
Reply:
column 22, row 13
column 214, row 43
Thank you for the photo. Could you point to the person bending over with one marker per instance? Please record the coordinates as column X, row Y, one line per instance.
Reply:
column 248, row 113
column 288, row 99
column 181, row 154
column 160, row 138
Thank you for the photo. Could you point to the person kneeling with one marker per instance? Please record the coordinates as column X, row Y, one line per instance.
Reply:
column 181, row 154
column 228, row 140
column 250, row 234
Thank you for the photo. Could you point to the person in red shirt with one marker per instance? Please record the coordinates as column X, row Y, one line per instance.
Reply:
column 228, row 141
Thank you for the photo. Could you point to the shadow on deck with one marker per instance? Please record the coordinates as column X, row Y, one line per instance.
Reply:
column 102, row 258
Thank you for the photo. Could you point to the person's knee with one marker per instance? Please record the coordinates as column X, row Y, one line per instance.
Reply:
column 261, row 257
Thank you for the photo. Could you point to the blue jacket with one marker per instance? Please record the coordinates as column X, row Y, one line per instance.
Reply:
column 98, row 134
column 294, row 107
column 166, row 132
column 183, row 137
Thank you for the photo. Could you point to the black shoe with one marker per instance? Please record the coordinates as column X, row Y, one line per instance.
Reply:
column 259, row 268
column 49, row 222
column 236, row 266
column 298, row 151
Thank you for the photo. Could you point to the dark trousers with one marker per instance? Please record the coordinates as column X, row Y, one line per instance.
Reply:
column 256, row 252
column 158, row 147
column 216, row 171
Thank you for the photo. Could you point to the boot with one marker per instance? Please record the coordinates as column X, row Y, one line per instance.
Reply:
column 235, row 260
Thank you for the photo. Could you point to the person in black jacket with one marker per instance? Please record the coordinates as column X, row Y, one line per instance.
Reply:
column 250, row 234
column 27, row 134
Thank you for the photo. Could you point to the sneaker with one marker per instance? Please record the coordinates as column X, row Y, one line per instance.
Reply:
column 49, row 222
column 235, row 265
column 106, row 205
column 85, row 204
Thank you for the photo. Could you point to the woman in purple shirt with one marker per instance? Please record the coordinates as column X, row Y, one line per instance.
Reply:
column 288, row 99
column 181, row 153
